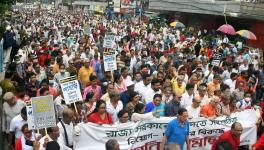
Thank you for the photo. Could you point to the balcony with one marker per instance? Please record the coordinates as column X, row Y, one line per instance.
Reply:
column 253, row 9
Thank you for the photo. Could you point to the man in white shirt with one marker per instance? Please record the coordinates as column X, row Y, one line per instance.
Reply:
column 66, row 127
column 203, row 94
column 195, row 108
column 155, row 89
column 187, row 97
column 243, row 66
column 11, row 108
column 53, row 135
column 231, row 82
column 114, row 105
column 226, row 74
column 66, row 57
column 15, row 126
column 61, row 75
column 143, row 86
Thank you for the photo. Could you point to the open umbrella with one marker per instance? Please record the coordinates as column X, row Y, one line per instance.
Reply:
column 177, row 24
column 228, row 29
column 247, row 34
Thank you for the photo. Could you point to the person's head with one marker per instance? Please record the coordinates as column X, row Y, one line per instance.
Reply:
column 233, row 76
column 137, row 76
column 100, row 107
column 157, row 99
column 225, row 99
column 139, row 108
column 53, row 132
column 189, row 88
column 36, row 67
column 223, row 145
column 214, row 101
column 44, row 91
column 123, row 116
column 180, row 79
column 124, row 71
column 182, row 115
column 110, row 87
column 225, row 90
column 68, row 115
column 114, row 96
column 202, row 90
column 45, row 83
column 236, row 129
column 134, row 97
column 86, row 63
column 146, row 79
column 156, row 84
column 33, row 77
column 144, row 69
column 241, row 86
column 160, row 75
column 23, row 113
column 93, row 79
column 118, row 78
column 27, row 133
column 112, row 144
column 196, row 101
column 10, row 98
column 216, row 79
column 177, row 97
column 62, row 69
column 52, row 145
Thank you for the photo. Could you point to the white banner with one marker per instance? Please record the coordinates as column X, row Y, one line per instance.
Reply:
column 109, row 61
column 30, row 116
column 109, row 41
column 71, row 90
column 146, row 135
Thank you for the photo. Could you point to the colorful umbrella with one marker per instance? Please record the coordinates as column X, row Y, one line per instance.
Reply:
column 228, row 29
column 247, row 34
column 177, row 24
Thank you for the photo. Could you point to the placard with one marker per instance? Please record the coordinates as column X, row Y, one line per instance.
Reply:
column 109, row 41
column 109, row 61
column 71, row 90
column 43, row 111
column 216, row 60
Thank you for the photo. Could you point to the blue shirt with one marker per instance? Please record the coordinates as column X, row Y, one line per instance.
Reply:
column 151, row 107
column 176, row 134
column 124, row 97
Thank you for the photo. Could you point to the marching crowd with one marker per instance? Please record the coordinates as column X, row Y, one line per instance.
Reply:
column 161, row 71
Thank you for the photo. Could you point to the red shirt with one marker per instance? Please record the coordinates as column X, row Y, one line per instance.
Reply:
column 95, row 118
column 260, row 143
column 227, row 136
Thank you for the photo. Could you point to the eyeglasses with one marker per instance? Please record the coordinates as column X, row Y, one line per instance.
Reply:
column 125, row 117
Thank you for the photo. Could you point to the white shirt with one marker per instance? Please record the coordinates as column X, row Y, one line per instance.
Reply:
column 193, row 112
column 226, row 75
column 16, row 124
column 69, row 130
column 114, row 111
column 139, row 117
column 149, row 94
column 204, row 100
column 243, row 68
column 66, row 59
column 231, row 84
column 9, row 113
column 141, row 89
column 186, row 99
column 60, row 142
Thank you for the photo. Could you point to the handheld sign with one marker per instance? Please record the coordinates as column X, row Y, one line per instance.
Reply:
column 217, row 59
column 30, row 116
column 109, row 41
column 109, row 61
column 71, row 90
column 43, row 112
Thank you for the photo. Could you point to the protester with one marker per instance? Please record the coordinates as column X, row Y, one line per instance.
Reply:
column 177, row 132
column 232, row 136
column 114, row 105
column 139, row 115
column 112, row 144
column 100, row 115
column 22, row 142
column 156, row 105
column 194, row 109
column 172, row 107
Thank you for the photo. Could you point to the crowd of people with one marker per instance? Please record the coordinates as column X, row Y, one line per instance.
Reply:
column 161, row 71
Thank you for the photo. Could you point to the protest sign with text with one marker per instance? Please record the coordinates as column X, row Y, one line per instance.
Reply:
column 148, row 134
column 109, row 41
column 43, row 112
column 71, row 90
column 109, row 61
